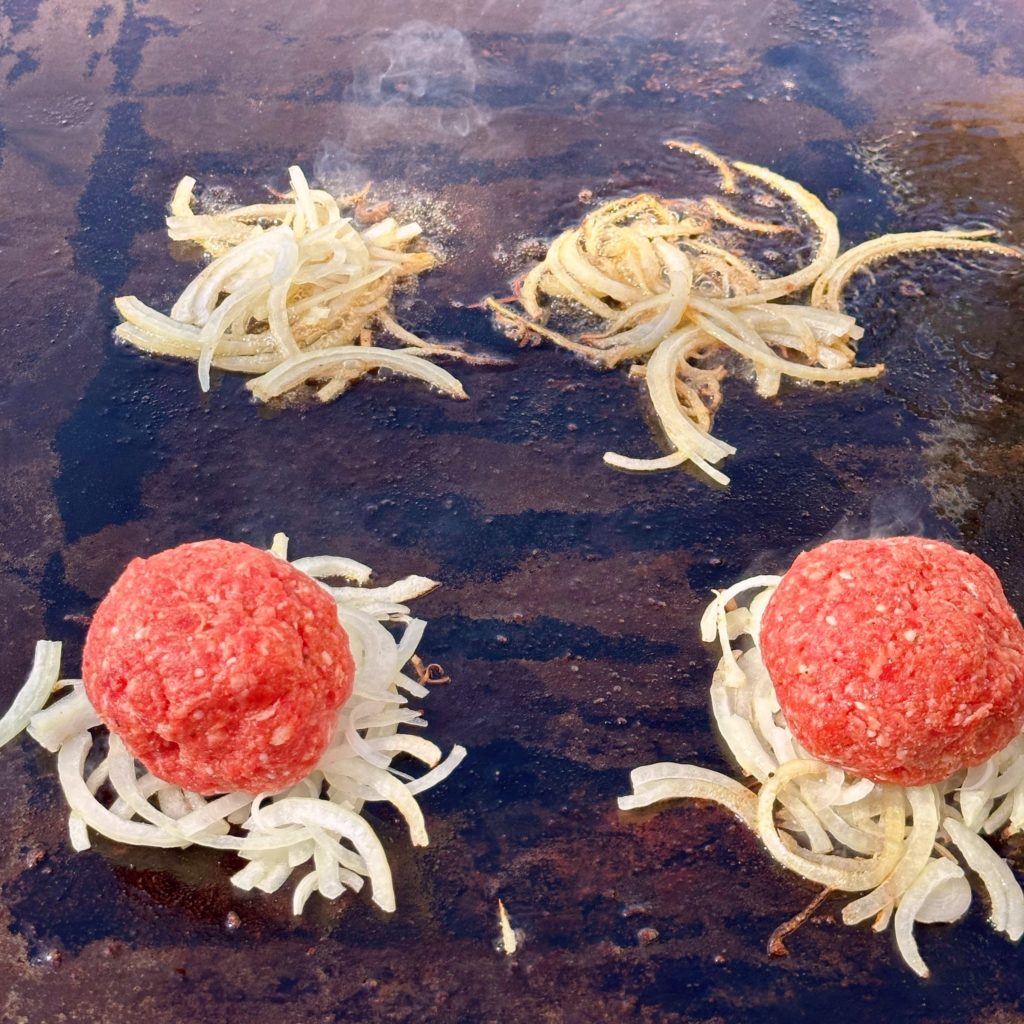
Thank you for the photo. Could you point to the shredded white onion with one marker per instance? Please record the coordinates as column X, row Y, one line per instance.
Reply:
column 320, row 817
column 904, row 849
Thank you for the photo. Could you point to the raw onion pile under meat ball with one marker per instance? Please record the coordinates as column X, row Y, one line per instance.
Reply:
column 232, row 670
column 817, row 795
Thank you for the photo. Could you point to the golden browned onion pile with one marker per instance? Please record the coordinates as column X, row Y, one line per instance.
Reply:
column 294, row 293
column 676, row 294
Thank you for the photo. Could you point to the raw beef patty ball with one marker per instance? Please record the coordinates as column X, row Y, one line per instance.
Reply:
column 220, row 666
column 898, row 659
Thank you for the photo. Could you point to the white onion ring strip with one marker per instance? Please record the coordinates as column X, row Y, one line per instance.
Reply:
column 388, row 788
column 322, row 364
column 70, row 765
column 1005, row 895
column 399, row 593
column 78, row 833
column 421, row 749
column 934, row 874
column 305, row 889
column 654, row 783
column 306, row 218
column 438, row 774
column 41, row 682
column 332, row 566
column 916, row 854
column 236, row 307
column 837, row 872
column 172, row 802
column 679, row 428
column 949, row 899
column 828, row 289
column 285, row 267
column 181, row 201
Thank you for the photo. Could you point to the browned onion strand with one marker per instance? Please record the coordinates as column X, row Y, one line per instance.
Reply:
column 290, row 286
column 906, row 850
column 653, row 269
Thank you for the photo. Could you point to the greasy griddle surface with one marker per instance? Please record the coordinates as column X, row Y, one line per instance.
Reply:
column 568, row 616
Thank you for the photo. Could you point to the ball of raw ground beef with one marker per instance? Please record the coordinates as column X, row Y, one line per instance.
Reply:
column 898, row 659
column 220, row 666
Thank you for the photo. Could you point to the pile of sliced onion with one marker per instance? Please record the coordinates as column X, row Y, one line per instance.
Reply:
column 315, row 827
column 293, row 294
column 906, row 850
column 676, row 298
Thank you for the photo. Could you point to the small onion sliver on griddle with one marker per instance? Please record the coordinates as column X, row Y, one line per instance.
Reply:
column 905, row 849
column 319, row 819
column 291, row 288
column 672, row 290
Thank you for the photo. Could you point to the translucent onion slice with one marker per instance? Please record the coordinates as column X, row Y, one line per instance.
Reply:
column 63, row 719
column 1004, row 891
column 70, row 766
column 828, row 289
column 834, row 871
column 319, row 365
column 345, row 823
column 690, row 442
column 916, row 852
column 654, row 783
column 948, row 898
column 934, row 876
column 438, row 774
column 181, row 201
column 42, row 679
column 822, row 218
column 725, row 171
column 331, row 566
column 646, row 337
column 715, row 322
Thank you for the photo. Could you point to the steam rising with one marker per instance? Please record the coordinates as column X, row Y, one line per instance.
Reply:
column 421, row 65
column 417, row 83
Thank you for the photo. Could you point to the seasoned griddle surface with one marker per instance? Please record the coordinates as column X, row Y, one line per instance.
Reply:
column 568, row 617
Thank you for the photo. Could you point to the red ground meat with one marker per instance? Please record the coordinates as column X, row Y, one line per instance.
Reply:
column 898, row 659
column 220, row 666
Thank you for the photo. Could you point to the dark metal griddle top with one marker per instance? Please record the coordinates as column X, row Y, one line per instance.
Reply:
column 568, row 616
